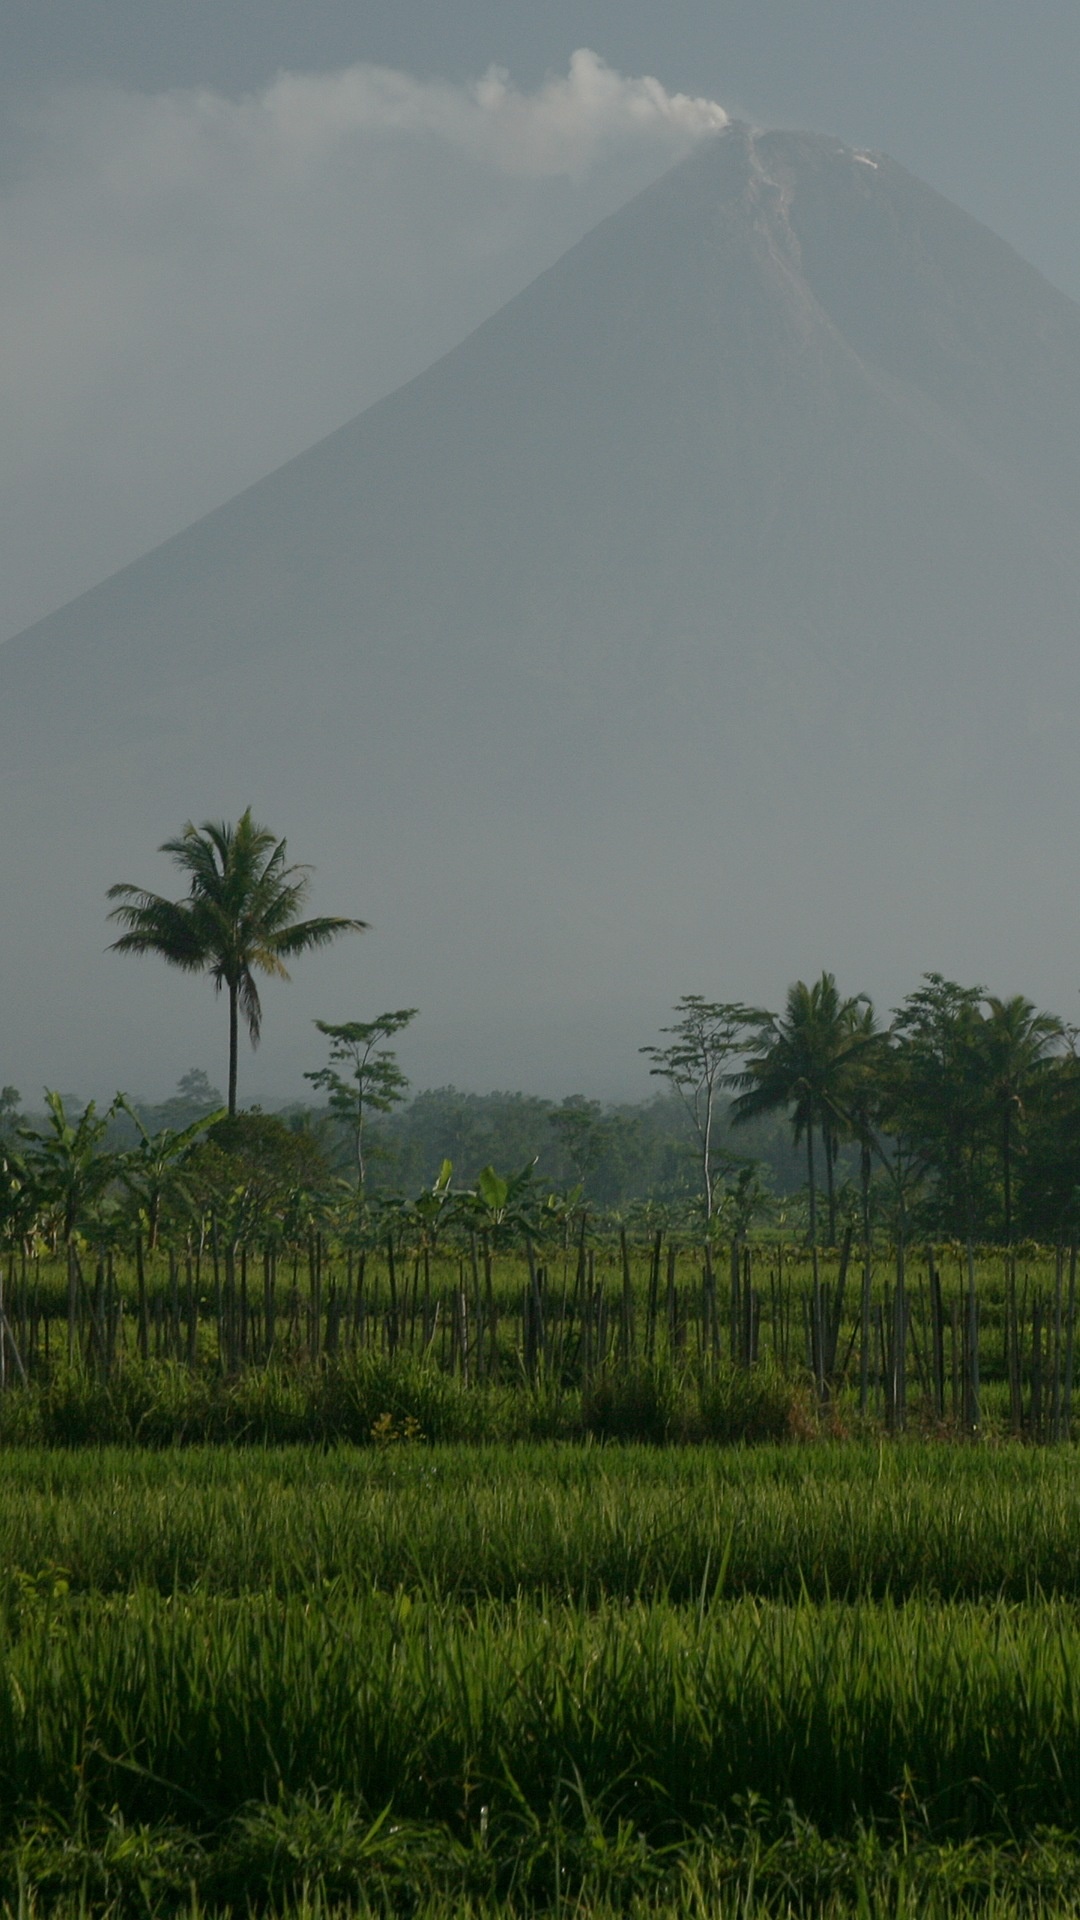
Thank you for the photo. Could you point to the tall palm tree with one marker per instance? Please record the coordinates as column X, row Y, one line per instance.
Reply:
column 1019, row 1046
column 806, row 1064
column 238, row 917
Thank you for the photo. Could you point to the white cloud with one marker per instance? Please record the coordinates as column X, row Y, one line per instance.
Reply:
column 196, row 286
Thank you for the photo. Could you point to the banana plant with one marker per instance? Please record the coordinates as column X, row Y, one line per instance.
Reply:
column 153, row 1171
column 19, row 1200
column 513, row 1207
column 69, row 1165
column 434, row 1208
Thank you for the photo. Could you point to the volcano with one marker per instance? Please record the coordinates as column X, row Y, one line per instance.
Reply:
column 705, row 618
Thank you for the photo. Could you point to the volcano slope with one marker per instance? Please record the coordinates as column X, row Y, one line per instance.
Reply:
column 707, row 616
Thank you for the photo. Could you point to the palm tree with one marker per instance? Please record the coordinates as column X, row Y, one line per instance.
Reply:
column 238, row 918
column 1019, row 1046
column 806, row 1064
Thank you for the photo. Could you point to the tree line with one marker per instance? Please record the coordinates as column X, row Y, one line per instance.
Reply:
column 959, row 1118
column 963, row 1110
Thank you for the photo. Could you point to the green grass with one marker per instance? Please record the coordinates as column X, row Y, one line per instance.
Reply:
column 850, row 1520
column 663, row 1717
column 528, row 1745
column 323, row 1867
column 167, row 1404
column 832, row 1679
column 314, row 1862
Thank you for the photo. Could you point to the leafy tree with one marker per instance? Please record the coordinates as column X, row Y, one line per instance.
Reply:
column 582, row 1136
column 638, row 1151
column 16, row 1199
column 237, row 919
column 194, row 1089
column 621, row 1154
column 966, row 1070
column 806, row 1066
column 259, row 1176
column 374, row 1082
column 1048, row 1200
column 10, row 1102
column 706, row 1036
column 195, row 1097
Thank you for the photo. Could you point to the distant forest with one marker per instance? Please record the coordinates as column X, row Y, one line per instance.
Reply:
column 620, row 1154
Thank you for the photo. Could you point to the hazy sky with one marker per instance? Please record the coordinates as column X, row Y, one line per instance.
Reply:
column 224, row 230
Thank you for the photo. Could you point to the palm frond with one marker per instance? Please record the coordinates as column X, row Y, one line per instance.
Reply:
column 305, row 934
column 156, row 925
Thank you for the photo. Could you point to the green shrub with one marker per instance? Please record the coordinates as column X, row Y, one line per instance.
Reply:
column 750, row 1405
column 631, row 1403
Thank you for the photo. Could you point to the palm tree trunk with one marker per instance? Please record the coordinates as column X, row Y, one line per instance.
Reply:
column 234, row 1035
column 829, row 1144
column 865, row 1168
column 706, row 1154
column 1006, row 1167
column 812, row 1183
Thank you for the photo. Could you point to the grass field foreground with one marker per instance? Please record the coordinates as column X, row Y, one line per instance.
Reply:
column 416, row 1680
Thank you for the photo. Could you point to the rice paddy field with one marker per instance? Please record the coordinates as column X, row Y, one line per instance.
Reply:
column 616, row 1576
column 835, row 1677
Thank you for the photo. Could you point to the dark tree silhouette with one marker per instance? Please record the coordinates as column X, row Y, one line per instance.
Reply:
column 1020, row 1044
column 806, row 1065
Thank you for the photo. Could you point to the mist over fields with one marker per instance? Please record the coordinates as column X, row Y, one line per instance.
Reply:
column 706, row 618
